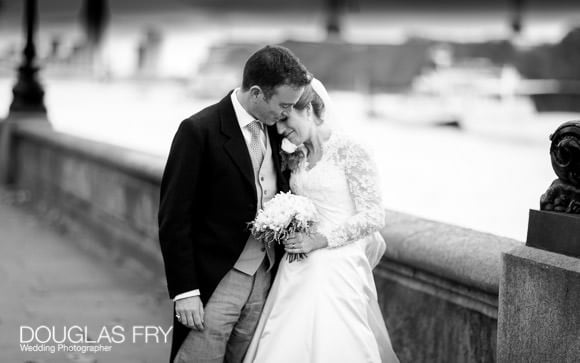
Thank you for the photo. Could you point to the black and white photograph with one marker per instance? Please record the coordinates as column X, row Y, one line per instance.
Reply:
column 307, row 181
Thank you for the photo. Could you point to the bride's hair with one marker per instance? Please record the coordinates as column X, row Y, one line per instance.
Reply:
column 310, row 97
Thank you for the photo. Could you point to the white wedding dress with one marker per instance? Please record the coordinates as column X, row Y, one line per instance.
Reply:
column 324, row 309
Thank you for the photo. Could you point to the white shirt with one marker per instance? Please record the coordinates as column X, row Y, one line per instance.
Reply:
column 244, row 118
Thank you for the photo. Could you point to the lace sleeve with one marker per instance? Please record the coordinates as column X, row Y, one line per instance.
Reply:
column 362, row 179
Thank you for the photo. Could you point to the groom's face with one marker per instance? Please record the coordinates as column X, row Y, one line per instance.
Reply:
column 273, row 109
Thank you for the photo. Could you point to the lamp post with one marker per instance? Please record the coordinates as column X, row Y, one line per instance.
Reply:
column 517, row 17
column 334, row 9
column 94, row 16
column 28, row 97
column 28, row 92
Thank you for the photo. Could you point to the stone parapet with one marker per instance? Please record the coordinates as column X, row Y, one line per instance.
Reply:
column 437, row 283
column 539, row 307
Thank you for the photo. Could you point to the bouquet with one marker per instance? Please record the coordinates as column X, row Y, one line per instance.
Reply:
column 282, row 216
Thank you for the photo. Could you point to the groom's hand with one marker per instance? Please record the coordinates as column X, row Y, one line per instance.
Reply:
column 190, row 311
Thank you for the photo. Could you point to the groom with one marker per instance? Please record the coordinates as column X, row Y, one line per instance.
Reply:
column 222, row 167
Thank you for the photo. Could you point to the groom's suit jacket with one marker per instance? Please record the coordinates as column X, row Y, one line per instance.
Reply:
column 208, row 196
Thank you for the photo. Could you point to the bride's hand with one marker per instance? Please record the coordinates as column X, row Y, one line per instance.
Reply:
column 304, row 243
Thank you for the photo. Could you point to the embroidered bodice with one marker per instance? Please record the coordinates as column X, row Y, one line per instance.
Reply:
column 344, row 186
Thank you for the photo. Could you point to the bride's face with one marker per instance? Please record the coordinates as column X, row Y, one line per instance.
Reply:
column 297, row 127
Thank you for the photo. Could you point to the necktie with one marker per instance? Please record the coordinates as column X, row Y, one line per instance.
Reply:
column 256, row 145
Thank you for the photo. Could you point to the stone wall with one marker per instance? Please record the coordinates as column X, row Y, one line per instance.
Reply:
column 109, row 192
column 438, row 287
column 437, row 284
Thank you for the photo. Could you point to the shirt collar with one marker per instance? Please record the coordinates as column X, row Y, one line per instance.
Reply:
column 244, row 118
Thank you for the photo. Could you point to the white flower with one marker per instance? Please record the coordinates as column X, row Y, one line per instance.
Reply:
column 284, row 211
column 288, row 146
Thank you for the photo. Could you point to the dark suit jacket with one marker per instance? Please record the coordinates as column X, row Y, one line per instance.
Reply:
column 208, row 196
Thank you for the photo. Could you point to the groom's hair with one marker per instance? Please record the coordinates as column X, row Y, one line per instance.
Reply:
column 274, row 66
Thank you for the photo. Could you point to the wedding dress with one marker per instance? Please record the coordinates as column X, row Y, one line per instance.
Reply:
column 324, row 309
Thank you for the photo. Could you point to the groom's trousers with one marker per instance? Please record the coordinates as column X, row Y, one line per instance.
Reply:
column 231, row 317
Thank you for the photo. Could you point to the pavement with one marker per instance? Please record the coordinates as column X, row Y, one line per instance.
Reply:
column 57, row 294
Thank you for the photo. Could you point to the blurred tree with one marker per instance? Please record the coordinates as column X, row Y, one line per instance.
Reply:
column 568, row 56
column 535, row 63
column 553, row 61
column 499, row 52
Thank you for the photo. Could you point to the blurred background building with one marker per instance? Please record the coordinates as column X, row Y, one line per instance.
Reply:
column 456, row 98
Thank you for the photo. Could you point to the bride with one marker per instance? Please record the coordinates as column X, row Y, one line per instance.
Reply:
column 324, row 308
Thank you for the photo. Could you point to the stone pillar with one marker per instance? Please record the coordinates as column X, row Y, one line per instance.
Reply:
column 539, row 307
column 28, row 92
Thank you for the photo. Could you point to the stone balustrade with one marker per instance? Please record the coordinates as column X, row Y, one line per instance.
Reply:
column 437, row 283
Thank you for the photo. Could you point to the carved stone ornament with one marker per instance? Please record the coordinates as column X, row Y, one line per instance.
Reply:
column 564, row 193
